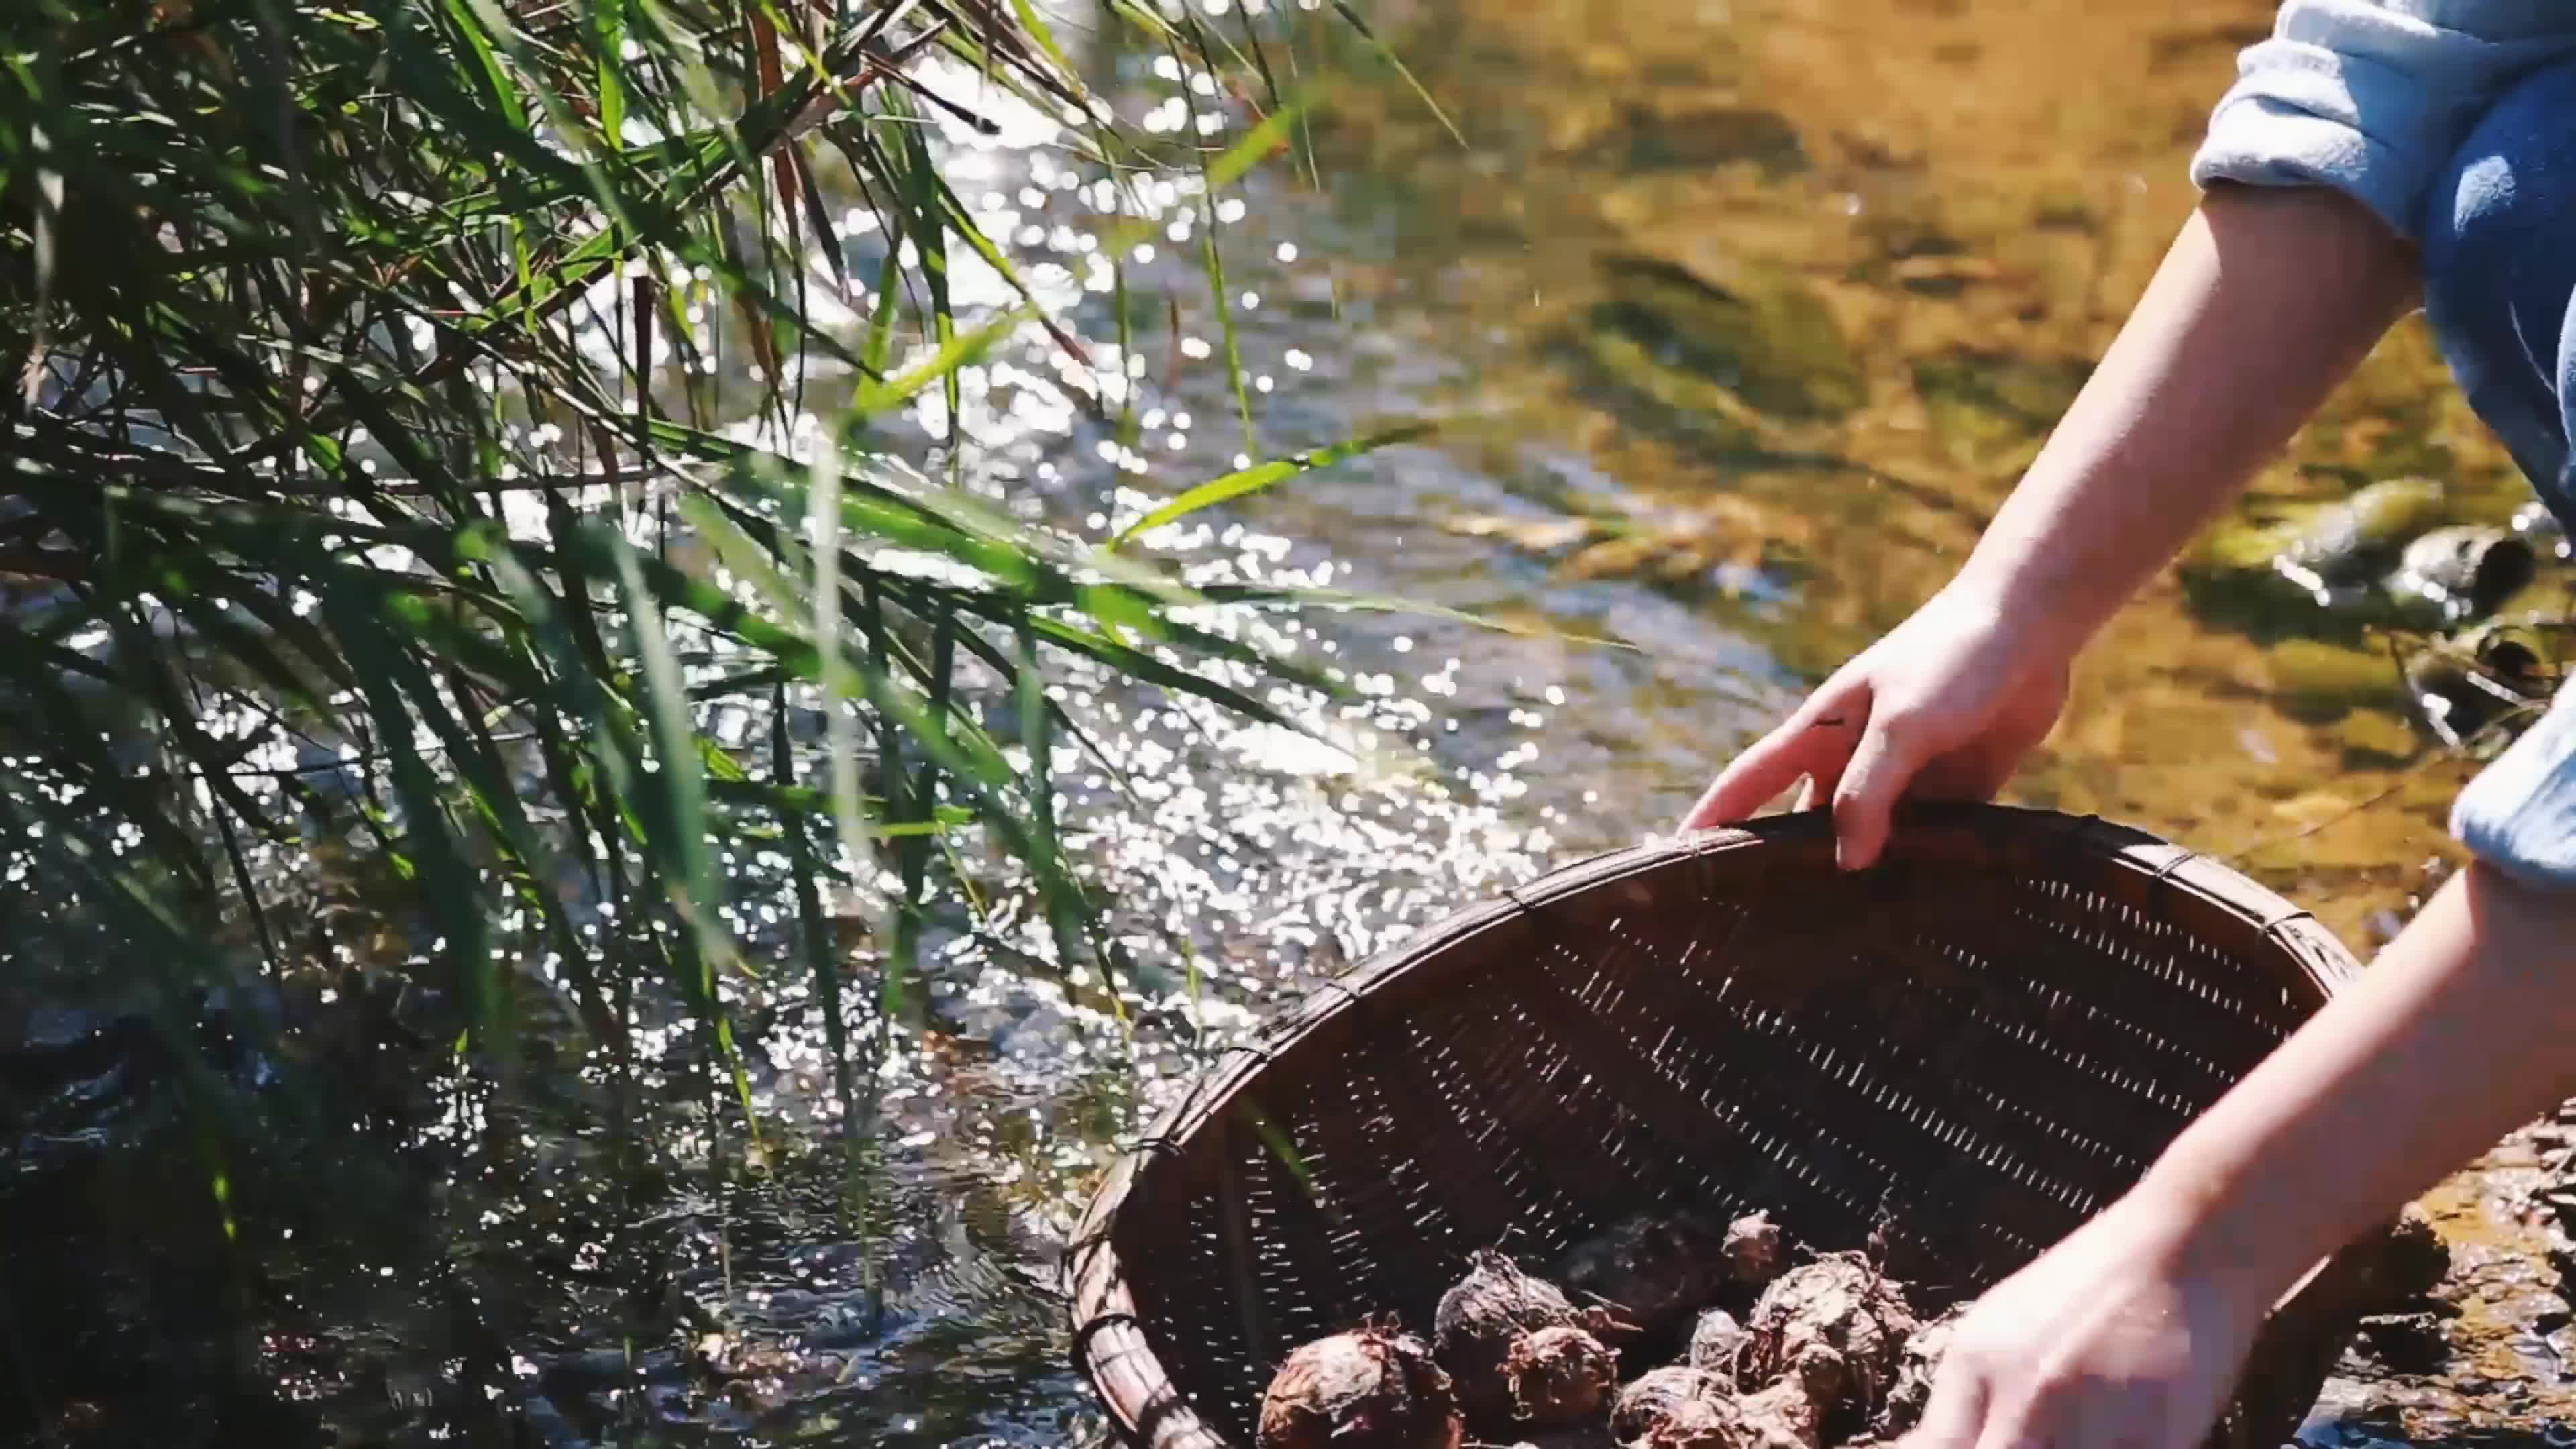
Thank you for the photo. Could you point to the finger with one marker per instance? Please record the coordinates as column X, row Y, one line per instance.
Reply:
column 1866, row 798
column 1770, row 765
column 1807, row 794
column 1956, row 1416
column 1817, row 738
column 1972, row 775
column 2003, row 1433
column 1822, row 786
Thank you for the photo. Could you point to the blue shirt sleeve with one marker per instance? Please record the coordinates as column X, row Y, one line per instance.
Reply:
column 2519, row 814
column 2371, row 97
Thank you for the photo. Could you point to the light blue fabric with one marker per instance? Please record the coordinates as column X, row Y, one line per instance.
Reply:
column 2499, row 238
column 2373, row 97
column 2455, row 122
column 2519, row 814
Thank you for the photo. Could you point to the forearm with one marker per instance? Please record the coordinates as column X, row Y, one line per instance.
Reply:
column 2265, row 302
column 2457, row 1034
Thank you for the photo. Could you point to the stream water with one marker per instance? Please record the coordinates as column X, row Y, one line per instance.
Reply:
column 1738, row 318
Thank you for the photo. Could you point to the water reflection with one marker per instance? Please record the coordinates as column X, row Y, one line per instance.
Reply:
column 1808, row 374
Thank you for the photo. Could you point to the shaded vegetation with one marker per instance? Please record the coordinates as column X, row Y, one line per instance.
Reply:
column 447, row 572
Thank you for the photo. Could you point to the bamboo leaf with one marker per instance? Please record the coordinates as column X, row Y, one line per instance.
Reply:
column 1255, row 146
column 875, row 399
column 446, row 874
column 678, row 784
column 1263, row 475
column 879, row 352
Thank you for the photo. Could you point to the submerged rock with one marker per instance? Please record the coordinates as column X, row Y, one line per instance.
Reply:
column 1697, row 139
column 2347, row 542
column 2534, row 524
column 2463, row 685
column 1757, row 334
column 2406, row 1342
column 2315, row 681
column 1981, row 400
column 2391, row 554
column 2354, row 541
column 2457, row 573
column 2416, row 1259
column 2315, row 557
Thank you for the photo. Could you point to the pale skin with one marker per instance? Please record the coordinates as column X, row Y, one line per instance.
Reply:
column 2130, row 1332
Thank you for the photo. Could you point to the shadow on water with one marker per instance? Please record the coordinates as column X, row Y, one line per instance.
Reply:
column 1742, row 317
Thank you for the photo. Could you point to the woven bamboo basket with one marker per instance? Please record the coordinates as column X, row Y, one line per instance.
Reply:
column 1967, row 1050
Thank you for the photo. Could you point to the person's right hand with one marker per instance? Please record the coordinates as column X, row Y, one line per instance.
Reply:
column 1944, row 707
column 2123, row 1336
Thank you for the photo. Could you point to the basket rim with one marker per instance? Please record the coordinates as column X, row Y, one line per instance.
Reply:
column 1109, row 1344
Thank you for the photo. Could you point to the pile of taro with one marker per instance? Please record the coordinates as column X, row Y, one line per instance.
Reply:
column 1772, row 1354
column 1779, row 1355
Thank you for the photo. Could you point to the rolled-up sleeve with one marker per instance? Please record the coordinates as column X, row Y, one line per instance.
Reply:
column 2371, row 97
column 2519, row 814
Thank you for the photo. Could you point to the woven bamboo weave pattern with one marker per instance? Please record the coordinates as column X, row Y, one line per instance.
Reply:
column 1965, row 1051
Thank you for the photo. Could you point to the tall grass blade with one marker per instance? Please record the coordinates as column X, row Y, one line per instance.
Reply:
column 1251, row 480
column 1396, row 62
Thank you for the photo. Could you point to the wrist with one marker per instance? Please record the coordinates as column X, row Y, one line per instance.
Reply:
column 2051, row 609
column 2220, row 1225
column 2040, row 631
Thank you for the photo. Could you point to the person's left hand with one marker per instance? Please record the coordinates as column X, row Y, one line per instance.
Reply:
column 2117, row 1338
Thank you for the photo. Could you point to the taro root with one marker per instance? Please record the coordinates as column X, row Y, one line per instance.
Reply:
column 1678, row 1408
column 1372, row 1388
column 1559, row 1374
column 1790, row 1412
column 1717, row 1343
column 1916, row 1368
column 1483, row 1319
column 1651, row 1270
column 1594, row 1435
column 1783, row 1416
column 1842, row 1314
column 1754, row 1251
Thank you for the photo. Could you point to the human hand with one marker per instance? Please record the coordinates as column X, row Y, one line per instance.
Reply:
column 2114, row 1339
column 1943, row 707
